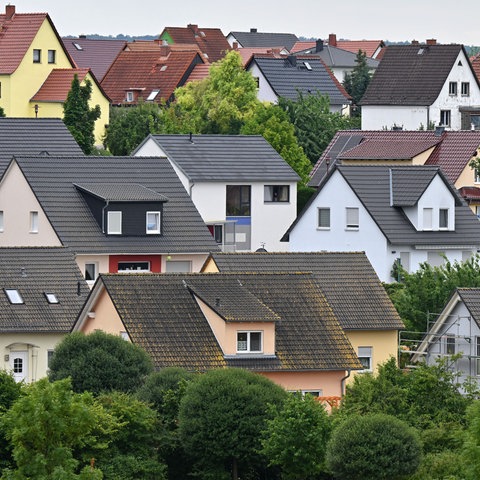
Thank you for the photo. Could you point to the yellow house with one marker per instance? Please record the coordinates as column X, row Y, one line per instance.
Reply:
column 351, row 288
column 30, row 49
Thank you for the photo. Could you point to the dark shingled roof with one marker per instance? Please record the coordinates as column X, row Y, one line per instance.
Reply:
column 411, row 74
column 161, row 315
column 287, row 80
column 225, row 157
column 347, row 279
column 471, row 299
column 53, row 181
column 34, row 136
column 122, row 192
column 262, row 39
column 34, row 271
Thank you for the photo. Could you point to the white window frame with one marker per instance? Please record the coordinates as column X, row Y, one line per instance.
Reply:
column 33, row 221
column 95, row 271
column 157, row 228
column 428, row 218
column 445, row 118
column 450, row 345
column 1, row 221
column 366, row 353
column 111, row 217
column 443, row 218
column 248, row 348
column 453, row 88
column 51, row 298
column 352, row 218
column 465, row 89
column 320, row 217
column 14, row 296
column 129, row 97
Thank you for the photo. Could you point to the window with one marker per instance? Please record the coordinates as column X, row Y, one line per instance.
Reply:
column 452, row 88
column 465, row 89
column 276, row 193
column 129, row 97
column 1, row 220
column 77, row 46
column 114, row 223
column 352, row 217
column 153, row 222
column 13, row 296
column 324, row 217
column 405, row 261
column 178, row 266
column 49, row 357
column 450, row 345
column 153, row 95
column 238, row 200
column 435, row 259
column 218, row 233
column 33, row 222
column 18, row 365
column 477, row 354
column 477, row 176
column 133, row 266
column 125, row 336
column 37, row 55
column 51, row 297
column 443, row 218
column 427, row 218
column 445, row 118
column 249, row 342
column 52, row 56
column 365, row 357
column 90, row 271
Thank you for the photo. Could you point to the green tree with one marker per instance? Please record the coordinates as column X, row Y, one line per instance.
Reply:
column 471, row 447
column 374, row 446
column 315, row 125
column 356, row 83
column 221, row 419
column 296, row 437
column 48, row 424
column 100, row 362
column 79, row 117
column 2, row 112
column 129, row 126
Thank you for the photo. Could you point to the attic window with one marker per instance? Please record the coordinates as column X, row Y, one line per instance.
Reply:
column 421, row 51
column 51, row 297
column 307, row 65
column 152, row 95
column 460, row 64
column 129, row 97
column 77, row 46
column 13, row 296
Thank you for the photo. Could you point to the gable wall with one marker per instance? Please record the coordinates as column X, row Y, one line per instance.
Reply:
column 265, row 93
column 378, row 117
column 467, row 177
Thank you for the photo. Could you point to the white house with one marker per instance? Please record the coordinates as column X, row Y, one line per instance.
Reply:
column 421, row 85
column 244, row 190
column 394, row 214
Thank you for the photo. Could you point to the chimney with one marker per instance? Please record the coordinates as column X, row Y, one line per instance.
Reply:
column 193, row 27
column 319, row 45
column 414, row 42
column 439, row 131
column 293, row 60
column 253, row 30
column 82, row 36
column 9, row 12
column 235, row 46
column 431, row 41
column 332, row 39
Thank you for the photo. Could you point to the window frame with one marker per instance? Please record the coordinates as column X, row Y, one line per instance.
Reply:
column 244, row 207
column 51, row 298
column 2, row 220
column 366, row 353
column 443, row 218
column 453, row 89
column 319, row 218
column 95, row 271
column 428, row 227
column 112, row 214
column 445, row 115
column 350, row 223
column 37, row 55
column 14, row 296
column 157, row 230
column 52, row 56
column 135, row 270
column 129, row 96
column 465, row 89
column 450, row 345
column 275, row 193
column 34, row 221
column 249, row 341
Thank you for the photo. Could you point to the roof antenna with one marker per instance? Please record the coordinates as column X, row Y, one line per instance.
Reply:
column 191, row 139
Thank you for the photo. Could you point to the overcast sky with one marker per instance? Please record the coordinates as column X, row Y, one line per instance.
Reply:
column 446, row 20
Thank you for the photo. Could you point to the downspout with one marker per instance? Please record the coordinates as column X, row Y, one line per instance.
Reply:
column 191, row 188
column 103, row 216
column 428, row 117
column 342, row 381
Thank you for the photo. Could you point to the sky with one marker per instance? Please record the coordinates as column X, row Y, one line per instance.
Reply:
column 402, row 20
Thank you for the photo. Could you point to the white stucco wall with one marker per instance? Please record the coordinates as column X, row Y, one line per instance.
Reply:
column 377, row 117
column 265, row 92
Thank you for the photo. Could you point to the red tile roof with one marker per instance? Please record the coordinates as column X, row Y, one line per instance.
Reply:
column 367, row 46
column 299, row 46
column 470, row 193
column 143, row 71
column 199, row 72
column 17, row 31
column 210, row 40
column 58, row 84
column 475, row 61
column 247, row 52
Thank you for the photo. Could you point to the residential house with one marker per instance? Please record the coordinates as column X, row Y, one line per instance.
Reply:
column 254, row 38
column 456, row 330
column 34, row 136
column 278, row 325
column 42, row 292
column 340, row 62
column 118, row 214
column 210, row 41
column 475, row 61
column 150, row 72
column 448, row 149
column 290, row 76
column 351, row 288
column 244, row 190
column 24, row 69
column 394, row 214
column 420, row 85
column 93, row 53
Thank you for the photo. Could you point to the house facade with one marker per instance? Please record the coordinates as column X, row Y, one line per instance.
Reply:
column 243, row 189
column 409, row 215
column 399, row 96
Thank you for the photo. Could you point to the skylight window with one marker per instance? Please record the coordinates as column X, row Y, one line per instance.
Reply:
column 77, row 46
column 163, row 68
column 307, row 65
column 51, row 297
column 152, row 95
column 13, row 296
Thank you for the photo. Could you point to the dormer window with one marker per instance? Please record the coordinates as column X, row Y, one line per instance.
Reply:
column 13, row 296
column 153, row 222
column 114, row 223
column 249, row 342
column 129, row 97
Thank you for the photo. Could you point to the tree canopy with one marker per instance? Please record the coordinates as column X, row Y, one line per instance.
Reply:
column 356, row 83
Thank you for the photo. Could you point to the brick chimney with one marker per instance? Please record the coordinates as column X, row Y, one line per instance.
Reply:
column 431, row 41
column 9, row 12
column 332, row 39
column 193, row 27
column 414, row 42
column 235, row 46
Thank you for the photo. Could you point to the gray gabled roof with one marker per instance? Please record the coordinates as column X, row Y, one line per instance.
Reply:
column 262, row 39
column 471, row 299
column 53, row 181
column 347, row 279
column 34, row 136
column 121, row 192
column 161, row 315
column 225, row 157
column 412, row 74
column 35, row 271
column 308, row 75
column 406, row 193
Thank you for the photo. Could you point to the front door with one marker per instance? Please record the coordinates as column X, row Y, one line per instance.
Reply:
column 19, row 365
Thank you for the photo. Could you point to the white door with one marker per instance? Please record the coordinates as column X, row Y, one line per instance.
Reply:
column 19, row 365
